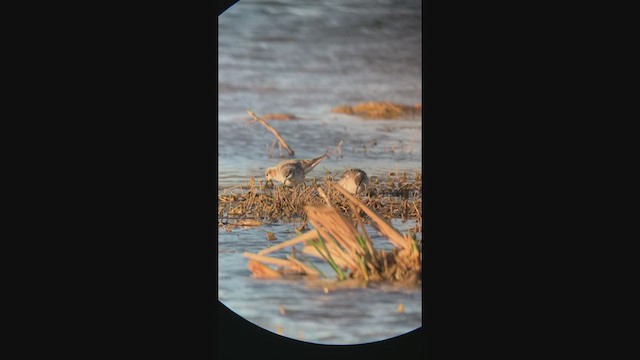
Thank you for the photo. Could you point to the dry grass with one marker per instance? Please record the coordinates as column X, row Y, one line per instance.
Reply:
column 393, row 197
column 380, row 110
column 346, row 246
column 279, row 116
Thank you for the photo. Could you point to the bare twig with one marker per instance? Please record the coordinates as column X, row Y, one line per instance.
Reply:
column 262, row 271
column 308, row 270
column 312, row 234
column 339, row 149
column 275, row 261
column 273, row 131
column 321, row 192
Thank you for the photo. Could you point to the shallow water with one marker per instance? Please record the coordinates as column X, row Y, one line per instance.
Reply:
column 304, row 58
column 376, row 146
column 344, row 316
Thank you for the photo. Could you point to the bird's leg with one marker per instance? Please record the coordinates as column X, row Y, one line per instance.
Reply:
column 269, row 184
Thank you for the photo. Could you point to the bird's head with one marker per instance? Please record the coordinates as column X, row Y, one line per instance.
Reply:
column 269, row 173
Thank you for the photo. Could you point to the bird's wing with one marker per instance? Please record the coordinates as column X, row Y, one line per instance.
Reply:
column 358, row 177
column 288, row 170
column 308, row 165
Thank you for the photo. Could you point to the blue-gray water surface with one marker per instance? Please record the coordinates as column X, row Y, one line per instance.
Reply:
column 304, row 58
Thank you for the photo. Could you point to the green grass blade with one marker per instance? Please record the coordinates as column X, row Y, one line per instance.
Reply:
column 328, row 258
column 306, row 259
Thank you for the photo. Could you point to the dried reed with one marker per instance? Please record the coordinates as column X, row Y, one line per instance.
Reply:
column 345, row 246
column 283, row 143
column 394, row 197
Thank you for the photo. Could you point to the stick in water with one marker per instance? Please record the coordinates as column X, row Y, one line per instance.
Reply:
column 273, row 131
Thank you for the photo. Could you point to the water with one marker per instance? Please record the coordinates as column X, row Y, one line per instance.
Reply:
column 304, row 58
column 347, row 316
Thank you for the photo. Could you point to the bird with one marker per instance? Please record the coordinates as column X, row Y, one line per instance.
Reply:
column 292, row 172
column 354, row 181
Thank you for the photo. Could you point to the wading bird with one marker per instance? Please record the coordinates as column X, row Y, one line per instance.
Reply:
column 292, row 172
column 354, row 181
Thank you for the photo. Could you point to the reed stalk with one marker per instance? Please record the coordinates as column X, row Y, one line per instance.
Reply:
column 344, row 245
column 283, row 143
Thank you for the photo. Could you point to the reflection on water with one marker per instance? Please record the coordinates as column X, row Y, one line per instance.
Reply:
column 304, row 58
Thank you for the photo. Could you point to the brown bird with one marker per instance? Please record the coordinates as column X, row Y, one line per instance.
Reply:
column 292, row 172
column 354, row 181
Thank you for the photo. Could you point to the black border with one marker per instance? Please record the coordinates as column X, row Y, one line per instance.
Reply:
column 118, row 184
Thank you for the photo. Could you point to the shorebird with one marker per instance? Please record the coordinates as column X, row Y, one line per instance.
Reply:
column 292, row 172
column 354, row 181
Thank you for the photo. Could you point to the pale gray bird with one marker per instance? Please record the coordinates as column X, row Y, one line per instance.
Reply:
column 354, row 181
column 292, row 172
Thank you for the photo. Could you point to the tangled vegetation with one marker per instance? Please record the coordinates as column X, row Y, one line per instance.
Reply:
column 346, row 246
column 256, row 204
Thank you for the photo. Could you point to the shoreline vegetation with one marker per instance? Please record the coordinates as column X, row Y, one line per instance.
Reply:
column 343, row 242
column 338, row 236
column 380, row 110
column 396, row 196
